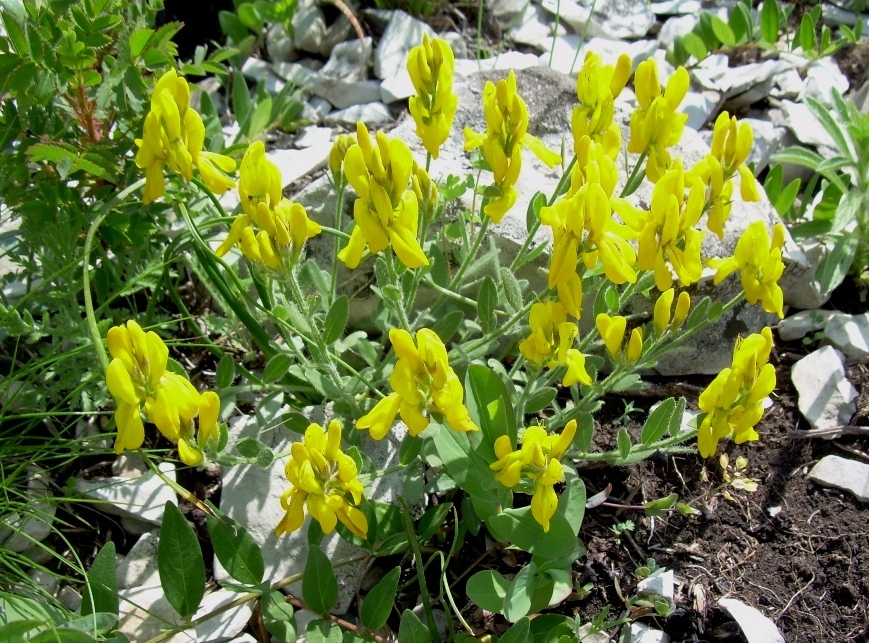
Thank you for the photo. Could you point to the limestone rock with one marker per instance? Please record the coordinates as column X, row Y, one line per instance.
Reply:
column 822, row 77
column 676, row 27
column 140, row 497
column 841, row 473
column 565, row 58
column 402, row 34
column 139, row 567
column 826, row 397
column 804, row 322
column 21, row 529
column 850, row 334
column 375, row 113
column 642, row 633
column 342, row 94
column 659, row 584
column 756, row 627
column 348, row 61
column 535, row 28
column 805, row 126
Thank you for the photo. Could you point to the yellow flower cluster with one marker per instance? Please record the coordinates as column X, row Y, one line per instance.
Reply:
column 663, row 307
column 174, row 135
column 759, row 261
column 324, row 480
column 502, row 143
column 283, row 225
column 138, row 380
column 733, row 402
column 433, row 108
column 551, row 342
column 386, row 212
column 423, row 382
column 597, row 87
column 539, row 460
column 655, row 125
column 612, row 330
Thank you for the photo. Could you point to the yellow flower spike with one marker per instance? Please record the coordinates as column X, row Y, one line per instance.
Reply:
column 209, row 412
column 336, row 156
column 635, row 345
column 433, row 108
column 259, row 180
column 324, row 481
column 597, row 86
column 683, row 306
column 576, row 373
column 612, row 332
column 212, row 167
column 662, row 310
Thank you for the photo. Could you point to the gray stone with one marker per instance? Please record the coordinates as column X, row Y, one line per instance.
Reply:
column 377, row 19
column 756, row 627
column 69, row 598
column 337, row 32
column 316, row 109
column 260, row 71
column 805, row 293
column 312, row 136
column 699, row 106
column 349, row 61
column 309, row 25
column 805, row 126
column 804, row 322
column 676, row 7
column 677, row 27
column 623, row 19
column 297, row 74
column 396, row 88
column 457, row 43
column 834, row 15
column 822, row 77
column 564, row 57
column 506, row 11
column 787, row 84
column 504, row 62
column 44, row 579
column 342, row 94
column 768, row 139
column 142, row 497
column 402, row 34
column 295, row 164
column 279, row 45
column 584, row 634
column 860, row 98
column 841, row 473
column 535, row 28
column 32, row 523
column 129, row 465
column 659, row 584
column 371, row 114
column 252, row 495
column 825, row 396
column 642, row 633
column 850, row 334
column 733, row 82
column 139, row 567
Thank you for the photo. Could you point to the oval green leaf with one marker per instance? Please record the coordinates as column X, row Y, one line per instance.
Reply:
column 236, row 550
column 101, row 591
column 179, row 561
column 378, row 603
column 336, row 319
column 319, row 586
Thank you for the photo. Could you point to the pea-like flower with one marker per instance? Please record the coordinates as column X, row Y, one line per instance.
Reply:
column 655, row 124
column 551, row 342
column 759, row 261
column 173, row 135
column 433, row 108
column 539, row 461
column 386, row 212
column 423, row 384
column 663, row 308
column 612, row 331
column 667, row 236
column 324, row 481
column 733, row 402
column 583, row 225
column 597, row 87
column 138, row 380
column 271, row 227
column 502, row 143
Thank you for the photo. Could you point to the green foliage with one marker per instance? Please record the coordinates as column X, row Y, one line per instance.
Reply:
column 179, row 561
column 319, row 587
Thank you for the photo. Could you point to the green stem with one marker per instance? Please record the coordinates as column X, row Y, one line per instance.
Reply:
column 397, row 306
column 629, row 185
column 97, row 339
column 211, row 196
column 420, row 568
column 499, row 332
column 339, row 219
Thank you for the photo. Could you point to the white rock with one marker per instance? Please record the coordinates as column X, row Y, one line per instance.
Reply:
column 295, row 164
column 850, row 334
column 535, row 28
column 756, row 627
column 297, row 74
column 396, row 88
column 506, row 11
column 402, row 34
column 309, row 25
column 805, row 126
column 252, row 496
column 585, row 635
column 566, row 60
column 787, row 84
column 69, row 598
column 735, row 81
column 660, row 584
column 806, row 293
column 349, row 61
column 642, row 633
column 699, row 107
column 804, row 322
column 19, row 530
column 826, row 397
column 129, row 465
column 622, row 19
column 226, row 625
column 822, row 77
column 768, row 139
column 371, row 114
column 342, row 94
column 143, row 497
column 260, row 71
column 510, row 60
column 279, row 44
column 139, row 567
column 833, row 15
column 336, row 33
column 676, row 27
column 44, row 579
column 676, row 7
column 245, row 638
column 313, row 136
column 570, row 13
column 316, row 109
column 841, row 473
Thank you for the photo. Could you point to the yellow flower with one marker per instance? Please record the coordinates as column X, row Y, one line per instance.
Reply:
column 759, row 261
column 551, row 342
column 283, row 225
column 324, row 481
column 663, row 306
column 655, row 124
column 733, row 402
column 138, row 380
column 423, row 383
column 386, row 212
column 583, row 225
column 433, row 108
column 173, row 135
column 336, row 157
column 539, row 460
column 597, row 86
column 502, row 143
column 612, row 331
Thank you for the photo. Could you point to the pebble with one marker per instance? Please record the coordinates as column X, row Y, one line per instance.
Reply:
column 660, row 584
column 375, row 113
column 139, row 567
column 756, row 627
column 841, row 473
column 825, row 396
column 642, row 633
column 850, row 334
column 143, row 497
column 804, row 322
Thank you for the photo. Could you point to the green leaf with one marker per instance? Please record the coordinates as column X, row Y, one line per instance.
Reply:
column 785, row 200
column 740, row 23
column 260, row 119
column 512, row 291
column 319, row 586
column 658, row 422
column 806, row 34
column 769, row 17
column 519, row 633
column 14, row 8
column 138, row 40
column 446, row 326
column 179, row 561
column 519, row 527
column 236, row 549
column 487, row 302
column 487, row 589
column 62, row 635
column 276, row 368
column 798, row 156
column 278, row 616
column 624, row 442
column 571, row 503
column 723, row 31
column 532, row 214
column 255, row 450
column 323, row 631
column 378, row 602
column 16, row 630
column 225, row 371
column 549, row 628
column 336, row 319
column 432, row 520
column 830, row 125
column 242, row 105
column 833, row 268
column 517, row 602
column 489, row 405
column 540, row 399
column 772, row 185
column 693, row 44
column 412, row 630
column 657, row 507
column 101, row 591
column 676, row 419
column 848, row 211
column 95, row 624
